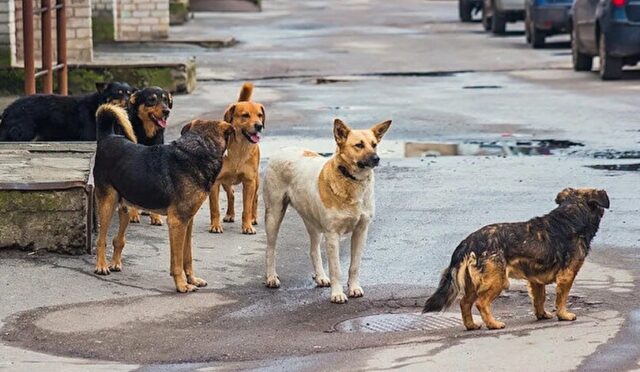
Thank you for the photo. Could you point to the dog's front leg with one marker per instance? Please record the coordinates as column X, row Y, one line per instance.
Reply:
column 358, row 240
column 333, row 256
column 187, row 259
column 106, row 200
column 564, row 281
column 214, row 209
column 248, row 193
column 177, row 235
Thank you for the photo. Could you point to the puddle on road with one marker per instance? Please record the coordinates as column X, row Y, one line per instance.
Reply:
column 482, row 87
column 617, row 167
column 615, row 154
column 505, row 147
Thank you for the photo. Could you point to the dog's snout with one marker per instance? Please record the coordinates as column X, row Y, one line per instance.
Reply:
column 258, row 127
column 166, row 111
column 374, row 160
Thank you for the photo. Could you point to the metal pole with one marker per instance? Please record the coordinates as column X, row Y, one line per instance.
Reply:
column 47, row 46
column 61, row 25
column 29, row 60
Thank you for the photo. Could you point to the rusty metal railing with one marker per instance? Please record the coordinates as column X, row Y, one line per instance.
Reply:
column 45, row 11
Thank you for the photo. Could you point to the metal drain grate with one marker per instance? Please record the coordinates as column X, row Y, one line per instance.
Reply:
column 399, row 322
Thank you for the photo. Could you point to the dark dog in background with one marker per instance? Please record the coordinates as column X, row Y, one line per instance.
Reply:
column 173, row 180
column 148, row 110
column 52, row 117
column 543, row 250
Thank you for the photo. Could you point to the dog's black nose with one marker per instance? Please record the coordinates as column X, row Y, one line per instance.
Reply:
column 374, row 160
column 166, row 112
column 258, row 127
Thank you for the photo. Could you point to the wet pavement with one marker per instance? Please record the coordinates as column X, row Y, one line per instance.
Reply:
column 363, row 61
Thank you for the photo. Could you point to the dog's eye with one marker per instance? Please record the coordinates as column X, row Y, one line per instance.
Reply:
column 246, row 115
column 128, row 92
column 260, row 116
column 119, row 92
column 359, row 145
column 374, row 145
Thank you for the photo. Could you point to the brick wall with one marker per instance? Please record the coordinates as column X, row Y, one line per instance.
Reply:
column 79, row 42
column 7, row 32
column 142, row 20
column 102, row 8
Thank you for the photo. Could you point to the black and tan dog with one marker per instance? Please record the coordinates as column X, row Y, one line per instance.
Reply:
column 241, row 163
column 148, row 111
column 52, row 117
column 173, row 180
column 543, row 250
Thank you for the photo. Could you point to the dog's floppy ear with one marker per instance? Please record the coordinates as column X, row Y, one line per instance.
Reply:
column 340, row 131
column 599, row 198
column 170, row 97
column 186, row 128
column 100, row 87
column 380, row 129
column 226, row 128
column 228, row 115
column 564, row 194
column 264, row 115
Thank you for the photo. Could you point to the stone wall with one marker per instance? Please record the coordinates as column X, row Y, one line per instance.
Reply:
column 142, row 20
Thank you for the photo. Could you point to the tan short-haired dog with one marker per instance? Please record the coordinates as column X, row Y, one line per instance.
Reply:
column 240, row 163
column 333, row 197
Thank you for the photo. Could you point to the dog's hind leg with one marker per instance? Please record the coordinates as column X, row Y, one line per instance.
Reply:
column 564, row 281
column 187, row 259
column 156, row 219
column 230, row 214
column 177, row 235
column 106, row 198
column 119, row 240
column 493, row 281
column 358, row 240
column 134, row 215
column 275, row 209
column 214, row 209
column 466, row 303
column 538, row 294
column 333, row 256
column 319, row 276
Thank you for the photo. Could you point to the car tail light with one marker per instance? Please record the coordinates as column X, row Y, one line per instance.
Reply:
column 619, row 3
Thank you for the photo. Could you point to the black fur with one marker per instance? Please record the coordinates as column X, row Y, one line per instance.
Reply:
column 151, row 97
column 51, row 117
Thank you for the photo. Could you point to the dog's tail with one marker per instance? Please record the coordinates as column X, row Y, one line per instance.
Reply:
column 111, row 116
column 245, row 92
column 452, row 280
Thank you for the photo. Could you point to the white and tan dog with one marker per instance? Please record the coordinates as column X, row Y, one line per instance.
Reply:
column 333, row 197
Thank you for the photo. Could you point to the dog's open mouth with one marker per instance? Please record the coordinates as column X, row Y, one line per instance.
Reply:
column 252, row 137
column 161, row 122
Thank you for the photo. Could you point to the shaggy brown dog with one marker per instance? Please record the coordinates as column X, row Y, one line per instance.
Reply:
column 240, row 163
column 543, row 250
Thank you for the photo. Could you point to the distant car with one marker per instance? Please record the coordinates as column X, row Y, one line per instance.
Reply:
column 546, row 18
column 467, row 8
column 609, row 29
column 496, row 14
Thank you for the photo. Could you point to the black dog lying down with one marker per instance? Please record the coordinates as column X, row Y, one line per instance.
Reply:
column 543, row 250
column 172, row 180
column 51, row 117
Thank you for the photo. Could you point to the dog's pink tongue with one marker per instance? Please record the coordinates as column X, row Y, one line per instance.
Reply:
column 162, row 123
column 255, row 137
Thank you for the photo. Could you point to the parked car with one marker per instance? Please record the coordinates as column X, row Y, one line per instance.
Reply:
column 609, row 29
column 546, row 18
column 496, row 14
column 467, row 8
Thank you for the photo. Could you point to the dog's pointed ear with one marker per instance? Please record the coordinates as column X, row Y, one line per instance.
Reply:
column 170, row 98
column 600, row 198
column 340, row 131
column 100, row 87
column 228, row 115
column 133, row 98
column 564, row 194
column 264, row 116
column 380, row 129
column 186, row 128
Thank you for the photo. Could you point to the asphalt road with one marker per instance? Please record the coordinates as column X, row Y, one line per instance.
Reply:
column 438, row 80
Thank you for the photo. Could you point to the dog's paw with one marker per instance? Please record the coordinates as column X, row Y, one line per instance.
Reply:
column 156, row 220
column 273, row 281
column 544, row 316
column 495, row 325
column 472, row 326
column 356, row 291
column 229, row 218
column 102, row 270
column 198, row 282
column 322, row 281
column 115, row 266
column 567, row 316
column 134, row 217
column 254, row 221
column 338, row 298
column 216, row 228
column 186, row 288
column 249, row 230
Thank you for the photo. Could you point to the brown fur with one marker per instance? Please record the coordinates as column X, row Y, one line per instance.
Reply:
column 240, row 164
column 543, row 250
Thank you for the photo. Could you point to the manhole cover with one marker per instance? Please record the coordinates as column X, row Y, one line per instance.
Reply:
column 400, row 322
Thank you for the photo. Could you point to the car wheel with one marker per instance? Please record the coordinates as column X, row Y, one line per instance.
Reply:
column 464, row 10
column 610, row 67
column 581, row 62
column 498, row 23
column 486, row 20
column 537, row 37
column 527, row 26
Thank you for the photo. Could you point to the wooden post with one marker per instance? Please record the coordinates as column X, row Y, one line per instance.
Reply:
column 47, row 46
column 29, row 58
